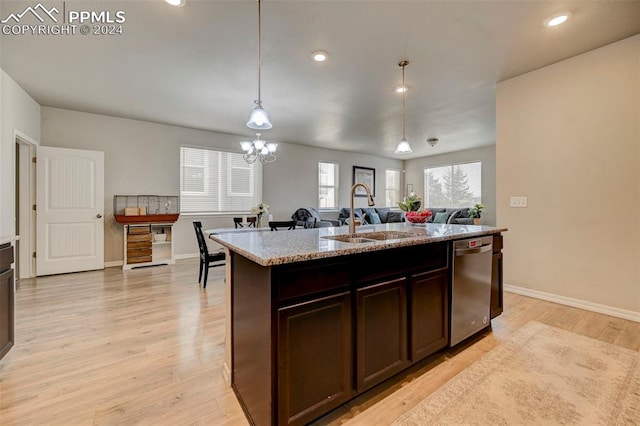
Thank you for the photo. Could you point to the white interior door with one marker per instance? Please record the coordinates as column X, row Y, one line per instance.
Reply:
column 69, row 210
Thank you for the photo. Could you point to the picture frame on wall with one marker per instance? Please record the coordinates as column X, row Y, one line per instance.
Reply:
column 365, row 175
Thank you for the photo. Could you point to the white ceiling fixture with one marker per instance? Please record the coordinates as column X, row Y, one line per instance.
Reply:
column 557, row 19
column 320, row 56
column 403, row 146
column 400, row 89
column 259, row 119
column 259, row 150
column 432, row 141
column 175, row 2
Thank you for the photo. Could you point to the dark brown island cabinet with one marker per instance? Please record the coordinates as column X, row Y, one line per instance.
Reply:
column 309, row 336
column 6, row 299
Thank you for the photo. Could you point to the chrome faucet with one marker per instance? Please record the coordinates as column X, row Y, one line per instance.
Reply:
column 370, row 201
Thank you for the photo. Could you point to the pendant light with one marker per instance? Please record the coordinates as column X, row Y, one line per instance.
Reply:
column 403, row 146
column 259, row 119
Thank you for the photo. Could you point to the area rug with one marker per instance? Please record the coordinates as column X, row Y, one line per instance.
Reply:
column 540, row 376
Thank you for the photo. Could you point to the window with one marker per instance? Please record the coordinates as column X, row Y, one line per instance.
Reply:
column 327, row 185
column 458, row 185
column 392, row 187
column 218, row 182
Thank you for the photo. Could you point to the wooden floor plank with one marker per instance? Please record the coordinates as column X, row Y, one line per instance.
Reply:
column 146, row 346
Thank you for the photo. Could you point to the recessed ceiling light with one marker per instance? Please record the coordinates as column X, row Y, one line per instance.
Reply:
column 400, row 89
column 175, row 2
column 557, row 19
column 319, row 56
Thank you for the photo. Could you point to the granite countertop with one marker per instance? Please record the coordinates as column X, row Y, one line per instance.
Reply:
column 280, row 247
column 4, row 239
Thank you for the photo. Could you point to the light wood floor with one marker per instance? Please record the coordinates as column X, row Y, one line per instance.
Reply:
column 146, row 347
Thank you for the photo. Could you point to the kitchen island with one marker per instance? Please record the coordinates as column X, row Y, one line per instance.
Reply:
column 318, row 317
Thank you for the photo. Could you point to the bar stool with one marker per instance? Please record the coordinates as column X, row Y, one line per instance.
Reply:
column 288, row 224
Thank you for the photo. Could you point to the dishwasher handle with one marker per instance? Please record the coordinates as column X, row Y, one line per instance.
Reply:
column 476, row 250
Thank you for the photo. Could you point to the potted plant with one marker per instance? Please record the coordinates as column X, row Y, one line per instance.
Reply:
column 410, row 203
column 475, row 212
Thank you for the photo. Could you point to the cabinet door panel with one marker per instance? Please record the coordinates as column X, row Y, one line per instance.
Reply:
column 429, row 313
column 315, row 361
column 382, row 332
column 496, row 286
column 6, row 312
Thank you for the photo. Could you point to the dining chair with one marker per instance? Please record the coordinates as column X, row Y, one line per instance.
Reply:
column 207, row 260
column 282, row 224
column 251, row 222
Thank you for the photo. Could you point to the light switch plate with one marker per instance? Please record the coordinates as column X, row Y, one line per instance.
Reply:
column 518, row 202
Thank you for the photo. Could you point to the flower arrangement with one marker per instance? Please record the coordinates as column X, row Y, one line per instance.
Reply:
column 260, row 211
column 476, row 211
column 410, row 203
column 418, row 217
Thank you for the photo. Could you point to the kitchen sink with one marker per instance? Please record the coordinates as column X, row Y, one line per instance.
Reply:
column 348, row 238
column 369, row 237
column 387, row 235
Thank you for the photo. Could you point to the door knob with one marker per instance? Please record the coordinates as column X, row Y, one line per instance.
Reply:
column 98, row 215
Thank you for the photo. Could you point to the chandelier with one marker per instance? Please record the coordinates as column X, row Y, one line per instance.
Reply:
column 259, row 150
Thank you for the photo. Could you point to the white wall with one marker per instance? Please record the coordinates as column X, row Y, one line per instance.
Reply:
column 568, row 138
column 414, row 174
column 20, row 113
column 143, row 158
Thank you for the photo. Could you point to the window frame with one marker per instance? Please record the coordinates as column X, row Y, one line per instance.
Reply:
column 398, row 190
column 222, row 193
column 451, row 165
column 336, row 187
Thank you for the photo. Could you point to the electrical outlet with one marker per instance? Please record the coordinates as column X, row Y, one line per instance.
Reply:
column 518, row 202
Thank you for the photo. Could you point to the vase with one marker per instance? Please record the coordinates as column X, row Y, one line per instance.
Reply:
column 259, row 221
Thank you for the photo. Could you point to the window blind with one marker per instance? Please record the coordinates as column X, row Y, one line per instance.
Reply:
column 214, row 181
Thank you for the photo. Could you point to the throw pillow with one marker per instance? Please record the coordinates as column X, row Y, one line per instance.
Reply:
column 441, row 217
column 374, row 218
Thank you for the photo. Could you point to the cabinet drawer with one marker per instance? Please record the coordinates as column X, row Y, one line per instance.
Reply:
column 316, row 277
column 139, row 237
column 139, row 259
column 138, row 244
column 387, row 264
column 139, row 230
column 6, row 257
column 138, row 252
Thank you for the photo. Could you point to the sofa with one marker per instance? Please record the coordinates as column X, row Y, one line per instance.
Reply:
column 454, row 216
column 371, row 215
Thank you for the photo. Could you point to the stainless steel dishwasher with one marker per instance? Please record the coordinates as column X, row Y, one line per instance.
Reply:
column 470, row 287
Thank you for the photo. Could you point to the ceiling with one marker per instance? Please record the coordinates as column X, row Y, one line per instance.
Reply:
column 196, row 66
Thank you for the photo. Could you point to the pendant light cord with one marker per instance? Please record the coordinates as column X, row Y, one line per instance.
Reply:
column 404, row 89
column 259, row 51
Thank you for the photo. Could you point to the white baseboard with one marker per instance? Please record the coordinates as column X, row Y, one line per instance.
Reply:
column 576, row 303
column 187, row 256
column 177, row 257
